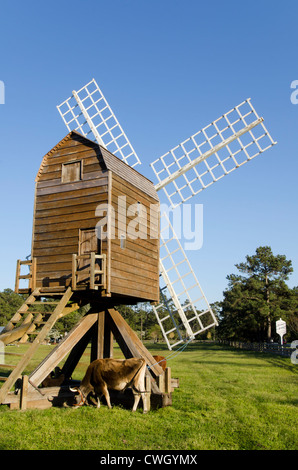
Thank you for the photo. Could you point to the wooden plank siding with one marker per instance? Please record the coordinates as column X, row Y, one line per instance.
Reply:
column 61, row 210
column 135, row 268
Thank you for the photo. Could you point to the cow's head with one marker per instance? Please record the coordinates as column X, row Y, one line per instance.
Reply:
column 79, row 397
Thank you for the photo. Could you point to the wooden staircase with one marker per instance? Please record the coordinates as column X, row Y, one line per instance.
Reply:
column 26, row 321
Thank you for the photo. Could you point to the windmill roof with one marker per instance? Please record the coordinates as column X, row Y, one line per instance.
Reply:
column 112, row 163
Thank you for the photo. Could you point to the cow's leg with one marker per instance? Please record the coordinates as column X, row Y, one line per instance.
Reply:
column 137, row 397
column 98, row 401
column 101, row 389
column 105, row 392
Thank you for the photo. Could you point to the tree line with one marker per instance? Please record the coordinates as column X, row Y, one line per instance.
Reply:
column 256, row 297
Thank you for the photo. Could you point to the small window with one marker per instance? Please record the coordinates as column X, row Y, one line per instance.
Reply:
column 71, row 172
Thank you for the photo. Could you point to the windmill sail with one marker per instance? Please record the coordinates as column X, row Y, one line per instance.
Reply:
column 224, row 145
column 88, row 112
column 183, row 311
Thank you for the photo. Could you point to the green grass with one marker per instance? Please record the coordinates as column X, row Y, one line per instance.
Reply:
column 227, row 399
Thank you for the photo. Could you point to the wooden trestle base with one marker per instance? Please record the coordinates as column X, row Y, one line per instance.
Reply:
column 99, row 328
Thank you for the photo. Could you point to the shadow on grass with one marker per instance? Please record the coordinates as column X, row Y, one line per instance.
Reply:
column 283, row 362
column 207, row 348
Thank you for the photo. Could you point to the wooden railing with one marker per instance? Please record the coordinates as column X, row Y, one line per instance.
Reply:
column 89, row 269
column 88, row 273
column 31, row 276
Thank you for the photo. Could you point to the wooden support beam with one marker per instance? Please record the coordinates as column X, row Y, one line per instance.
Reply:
column 77, row 352
column 15, row 334
column 63, row 348
column 92, row 269
column 128, row 341
column 24, row 393
column 161, row 382
column 102, row 341
column 74, row 272
column 32, row 283
column 168, row 380
column 18, row 271
column 147, row 394
column 97, row 343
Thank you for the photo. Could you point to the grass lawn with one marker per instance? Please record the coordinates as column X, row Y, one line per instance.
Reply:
column 227, row 399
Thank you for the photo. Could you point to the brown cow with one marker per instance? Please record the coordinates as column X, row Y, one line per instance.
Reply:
column 54, row 379
column 161, row 361
column 115, row 374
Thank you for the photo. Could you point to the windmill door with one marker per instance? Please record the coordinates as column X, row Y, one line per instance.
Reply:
column 88, row 243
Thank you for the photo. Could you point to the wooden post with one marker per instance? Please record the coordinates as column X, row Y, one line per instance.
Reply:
column 33, row 274
column 104, row 274
column 24, row 392
column 74, row 272
column 168, row 380
column 18, row 271
column 161, row 382
column 108, row 338
column 97, row 342
column 92, row 269
column 128, row 341
column 147, row 394
column 102, row 340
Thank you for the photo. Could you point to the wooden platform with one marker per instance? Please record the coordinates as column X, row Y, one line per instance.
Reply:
column 98, row 327
column 63, row 397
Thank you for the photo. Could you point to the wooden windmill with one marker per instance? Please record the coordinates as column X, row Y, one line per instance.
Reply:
column 226, row 144
column 96, row 238
column 78, row 260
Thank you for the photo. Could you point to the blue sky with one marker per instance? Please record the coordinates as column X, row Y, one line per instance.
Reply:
column 167, row 68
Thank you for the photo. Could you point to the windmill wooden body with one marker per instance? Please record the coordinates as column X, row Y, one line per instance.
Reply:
column 89, row 201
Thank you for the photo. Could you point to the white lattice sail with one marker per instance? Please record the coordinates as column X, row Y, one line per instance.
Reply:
column 183, row 309
column 226, row 144
column 88, row 112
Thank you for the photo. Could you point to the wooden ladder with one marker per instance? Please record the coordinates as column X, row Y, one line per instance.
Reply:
column 31, row 320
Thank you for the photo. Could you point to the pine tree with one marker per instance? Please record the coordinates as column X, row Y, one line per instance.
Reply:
column 253, row 301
